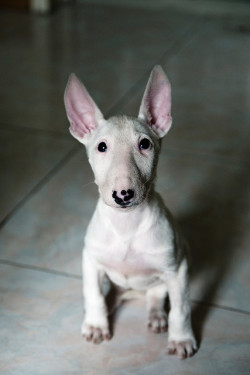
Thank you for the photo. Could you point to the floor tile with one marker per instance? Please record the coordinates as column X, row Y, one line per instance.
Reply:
column 26, row 159
column 210, row 91
column 40, row 318
column 49, row 230
column 40, row 314
column 109, row 50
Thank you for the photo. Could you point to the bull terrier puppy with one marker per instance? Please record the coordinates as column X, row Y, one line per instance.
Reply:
column 132, row 238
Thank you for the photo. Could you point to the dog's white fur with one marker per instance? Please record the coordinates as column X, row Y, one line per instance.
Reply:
column 134, row 243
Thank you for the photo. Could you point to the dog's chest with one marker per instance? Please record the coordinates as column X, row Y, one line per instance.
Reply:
column 127, row 265
column 135, row 257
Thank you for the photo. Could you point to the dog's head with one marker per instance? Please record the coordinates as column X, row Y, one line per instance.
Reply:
column 122, row 151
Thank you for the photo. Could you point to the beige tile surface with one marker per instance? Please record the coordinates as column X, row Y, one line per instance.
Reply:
column 40, row 320
column 49, row 230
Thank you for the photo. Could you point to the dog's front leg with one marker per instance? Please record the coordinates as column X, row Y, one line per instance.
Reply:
column 157, row 316
column 95, row 326
column 181, row 339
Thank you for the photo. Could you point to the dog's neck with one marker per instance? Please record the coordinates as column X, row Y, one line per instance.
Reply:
column 125, row 222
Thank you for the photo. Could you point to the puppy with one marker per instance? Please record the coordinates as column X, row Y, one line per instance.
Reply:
column 132, row 238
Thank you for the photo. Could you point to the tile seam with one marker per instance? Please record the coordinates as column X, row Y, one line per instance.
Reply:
column 40, row 269
column 78, row 277
column 173, row 51
column 121, row 102
column 216, row 158
column 221, row 307
column 40, row 184
column 27, row 130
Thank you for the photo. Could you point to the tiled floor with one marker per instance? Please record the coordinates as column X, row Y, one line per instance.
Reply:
column 48, row 195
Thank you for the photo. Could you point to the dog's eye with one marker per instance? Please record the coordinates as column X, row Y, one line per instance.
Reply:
column 102, row 147
column 144, row 144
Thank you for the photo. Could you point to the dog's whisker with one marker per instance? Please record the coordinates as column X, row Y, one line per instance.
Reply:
column 88, row 184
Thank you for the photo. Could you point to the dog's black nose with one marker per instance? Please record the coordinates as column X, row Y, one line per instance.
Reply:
column 124, row 197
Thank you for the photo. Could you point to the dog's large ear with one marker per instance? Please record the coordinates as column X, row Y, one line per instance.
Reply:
column 82, row 112
column 156, row 103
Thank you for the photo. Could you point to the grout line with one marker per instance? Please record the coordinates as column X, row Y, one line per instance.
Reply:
column 32, row 131
column 173, row 50
column 41, row 269
column 79, row 277
column 221, row 307
column 208, row 157
column 40, row 184
column 205, row 155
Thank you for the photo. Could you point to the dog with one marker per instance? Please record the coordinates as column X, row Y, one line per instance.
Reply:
column 132, row 238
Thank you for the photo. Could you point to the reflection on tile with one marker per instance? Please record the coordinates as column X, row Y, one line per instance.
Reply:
column 44, row 312
column 109, row 50
column 25, row 159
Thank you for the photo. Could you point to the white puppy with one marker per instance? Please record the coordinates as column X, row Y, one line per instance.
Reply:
column 132, row 238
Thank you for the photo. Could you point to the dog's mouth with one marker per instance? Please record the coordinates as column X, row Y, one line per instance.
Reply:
column 124, row 206
column 128, row 205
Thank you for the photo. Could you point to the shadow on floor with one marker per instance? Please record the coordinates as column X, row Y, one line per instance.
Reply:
column 213, row 233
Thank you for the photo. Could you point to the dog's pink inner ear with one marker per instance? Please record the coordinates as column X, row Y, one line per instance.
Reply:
column 82, row 112
column 156, row 103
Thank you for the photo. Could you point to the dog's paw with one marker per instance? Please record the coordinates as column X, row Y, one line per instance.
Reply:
column 95, row 334
column 158, row 321
column 182, row 349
